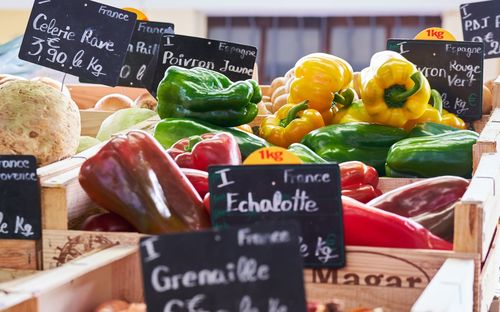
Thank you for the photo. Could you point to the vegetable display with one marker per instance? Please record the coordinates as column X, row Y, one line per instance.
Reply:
column 393, row 90
column 170, row 130
column 317, row 78
column 201, row 151
column 207, row 95
column 135, row 178
column 429, row 202
column 290, row 124
column 364, row 142
column 430, row 156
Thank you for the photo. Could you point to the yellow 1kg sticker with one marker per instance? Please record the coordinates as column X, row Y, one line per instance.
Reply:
column 273, row 155
column 435, row 33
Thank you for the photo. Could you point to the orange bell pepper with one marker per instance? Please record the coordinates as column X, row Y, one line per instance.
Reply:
column 290, row 124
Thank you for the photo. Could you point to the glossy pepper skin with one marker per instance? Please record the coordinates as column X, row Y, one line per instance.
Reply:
column 356, row 112
column 429, row 128
column 207, row 95
column 431, row 156
column 393, row 90
column 435, row 113
column 368, row 143
column 317, row 78
column 198, row 178
column 209, row 149
column 135, row 178
column 452, row 120
column 359, row 181
column 305, row 154
column 429, row 202
column 170, row 130
column 290, row 124
column 368, row 226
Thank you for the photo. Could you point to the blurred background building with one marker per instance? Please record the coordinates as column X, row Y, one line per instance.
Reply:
column 283, row 31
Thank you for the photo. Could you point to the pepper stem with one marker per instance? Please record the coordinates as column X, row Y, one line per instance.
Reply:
column 192, row 142
column 345, row 98
column 397, row 95
column 292, row 113
column 437, row 101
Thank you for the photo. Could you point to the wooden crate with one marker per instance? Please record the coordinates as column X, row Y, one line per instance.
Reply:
column 115, row 273
column 78, row 286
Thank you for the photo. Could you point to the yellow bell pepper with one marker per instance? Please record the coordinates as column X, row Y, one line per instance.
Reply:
column 290, row 124
column 246, row 128
column 393, row 90
column 435, row 113
column 318, row 77
column 452, row 120
column 432, row 112
column 355, row 112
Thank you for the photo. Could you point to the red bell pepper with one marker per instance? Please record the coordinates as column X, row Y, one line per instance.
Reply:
column 359, row 181
column 135, row 178
column 198, row 178
column 373, row 227
column 368, row 226
column 430, row 202
column 201, row 151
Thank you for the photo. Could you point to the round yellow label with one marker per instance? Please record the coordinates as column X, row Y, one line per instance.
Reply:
column 435, row 33
column 273, row 155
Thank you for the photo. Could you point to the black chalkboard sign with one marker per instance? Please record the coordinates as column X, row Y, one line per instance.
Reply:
column 142, row 54
column 20, row 206
column 79, row 37
column 454, row 68
column 309, row 194
column 254, row 268
column 481, row 23
column 236, row 61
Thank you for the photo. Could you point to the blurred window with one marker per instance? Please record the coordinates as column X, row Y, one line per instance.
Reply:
column 281, row 41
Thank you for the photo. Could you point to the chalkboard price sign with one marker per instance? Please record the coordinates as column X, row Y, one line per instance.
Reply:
column 454, row 68
column 253, row 268
column 20, row 206
column 142, row 54
column 79, row 37
column 236, row 61
column 308, row 194
column 481, row 23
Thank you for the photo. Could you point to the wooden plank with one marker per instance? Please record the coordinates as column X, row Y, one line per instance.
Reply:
column 60, row 247
column 91, row 121
column 392, row 277
column 86, row 95
column 450, row 290
column 476, row 215
column 489, row 278
column 83, row 284
column 20, row 254
column 389, row 184
column 12, row 274
column 17, row 302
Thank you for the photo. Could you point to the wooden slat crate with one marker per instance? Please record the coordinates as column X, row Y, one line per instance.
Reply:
column 372, row 275
column 115, row 273
column 65, row 205
column 78, row 286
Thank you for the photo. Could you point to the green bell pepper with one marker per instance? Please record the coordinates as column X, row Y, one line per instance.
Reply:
column 365, row 142
column 207, row 95
column 430, row 128
column 170, row 130
column 306, row 154
column 432, row 156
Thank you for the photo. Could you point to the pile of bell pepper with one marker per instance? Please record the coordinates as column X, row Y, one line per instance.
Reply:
column 385, row 120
